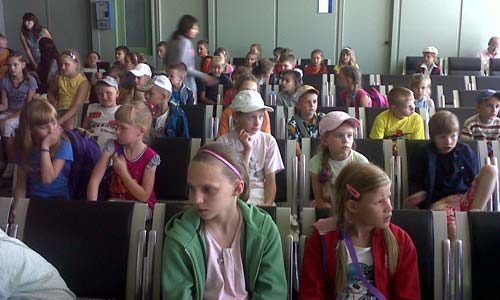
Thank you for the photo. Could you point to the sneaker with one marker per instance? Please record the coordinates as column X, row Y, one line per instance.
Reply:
column 9, row 171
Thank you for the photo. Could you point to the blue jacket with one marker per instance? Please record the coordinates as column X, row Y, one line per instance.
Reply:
column 177, row 122
column 186, row 96
column 422, row 169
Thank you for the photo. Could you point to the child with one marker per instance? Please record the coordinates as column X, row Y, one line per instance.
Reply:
column 364, row 255
column 420, row 85
column 142, row 73
column 336, row 130
column 277, row 53
column 316, row 66
column 251, row 59
column 92, row 59
column 169, row 120
column 400, row 121
column 245, row 82
column 134, row 163
column 485, row 125
column 430, row 62
column 161, row 52
column 181, row 93
column 4, row 55
column 49, row 65
column 100, row 117
column 346, row 58
column 290, row 83
column 445, row 174
column 256, row 49
column 263, row 71
column 235, row 76
column 206, row 253
column 259, row 149
column 45, row 157
column 222, row 52
column 120, row 53
column 205, row 58
column 208, row 94
column 305, row 122
column 349, row 80
column 69, row 90
column 17, row 89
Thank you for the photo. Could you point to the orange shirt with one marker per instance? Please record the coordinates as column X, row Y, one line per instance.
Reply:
column 224, row 126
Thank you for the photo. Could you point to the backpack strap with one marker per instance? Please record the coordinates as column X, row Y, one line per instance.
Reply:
column 302, row 129
column 324, row 256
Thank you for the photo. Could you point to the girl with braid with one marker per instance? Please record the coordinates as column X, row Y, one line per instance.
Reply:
column 336, row 131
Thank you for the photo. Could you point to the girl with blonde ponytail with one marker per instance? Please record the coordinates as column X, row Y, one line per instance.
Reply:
column 360, row 254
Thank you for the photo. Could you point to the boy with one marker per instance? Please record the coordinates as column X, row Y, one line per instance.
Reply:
column 142, row 73
column 161, row 51
column 205, row 58
column 120, row 53
column 208, row 93
column 485, row 125
column 305, row 122
column 100, row 117
column 4, row 55
column 429, row 65
column 259, row 149
column 169, row 120
column 286, row 62
column 400, row 120
column 181, row 94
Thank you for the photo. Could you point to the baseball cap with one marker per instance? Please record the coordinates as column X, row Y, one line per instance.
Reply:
column 334, row 120
column 431, row 49
column 485, row 94
column 141, row 70
column 163, row 82
column 304, row 89
column 109, row 81
column 249, row 101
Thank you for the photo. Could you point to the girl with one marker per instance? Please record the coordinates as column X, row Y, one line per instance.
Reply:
column 131, row 60
column 290, row 83
column 420, row 85
column 263, row 71
column 134, row 163
column 222, row 52
column 31, row 33
column 316, row 66
column 336, row 131
column 44, row 155
column 346, row 58
column 222, row 248
column 257, row 49
column 352, row 94
column 50, row 63
column 360, row 254
column 251, row 60
column 17, row 89
column 430, row 64
column 69, row 90
column 235, row 76
column 92, row 59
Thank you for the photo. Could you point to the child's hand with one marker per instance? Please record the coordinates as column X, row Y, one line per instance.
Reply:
column 119, row 164
column 416, row 198
column 52, row 138
column 245, row 140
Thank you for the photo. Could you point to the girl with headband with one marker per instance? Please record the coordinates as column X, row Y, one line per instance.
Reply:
column 360, row 254
column 222, row 248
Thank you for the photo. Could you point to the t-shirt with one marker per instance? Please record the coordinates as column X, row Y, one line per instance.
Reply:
column 59, row 187
column 475, row 129
column 17, row 96
column 449, row 177
column 335, row 165
column 311, row 127
column 386, row 126
column 355, row 288
column 102, row 122
column 211, row 91
column 24, row 274
column 265, row 157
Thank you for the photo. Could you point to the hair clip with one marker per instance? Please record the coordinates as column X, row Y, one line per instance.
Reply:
column 352, row 190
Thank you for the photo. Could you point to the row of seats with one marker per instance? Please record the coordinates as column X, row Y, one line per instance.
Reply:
column 456, row 66
column 103, row 249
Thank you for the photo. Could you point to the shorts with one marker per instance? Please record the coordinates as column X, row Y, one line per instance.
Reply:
column 460, row 202
column 8, row 127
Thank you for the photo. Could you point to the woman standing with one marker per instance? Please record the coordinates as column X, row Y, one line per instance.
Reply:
column 31, row 33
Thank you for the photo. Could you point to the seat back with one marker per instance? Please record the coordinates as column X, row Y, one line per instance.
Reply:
column 5, row 203
column 464, row 66
column 238, row 61
column 395, row 80
column 373, row 150
column 488, row 82
column 284, row 185
column 370, row 115
column 450, row 83
column 411, row 64
column 199, row 116
column 97, row 247
column 494, row 66
column 466, row 98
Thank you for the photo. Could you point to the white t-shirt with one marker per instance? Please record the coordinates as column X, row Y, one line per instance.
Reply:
column 102, row 122
column 24, row 274
column 159, row 125
column 335, row 165
column 355, row 288
column 265, row 157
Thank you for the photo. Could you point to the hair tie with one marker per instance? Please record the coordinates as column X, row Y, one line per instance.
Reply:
column 341, row 235
column 353, row 191
column 223, row 160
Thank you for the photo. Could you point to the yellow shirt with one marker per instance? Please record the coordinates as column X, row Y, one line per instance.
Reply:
column 386, row 126
column 68, row 89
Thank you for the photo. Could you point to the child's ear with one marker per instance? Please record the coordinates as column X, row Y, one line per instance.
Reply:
column 239, row 188
column 351, row 206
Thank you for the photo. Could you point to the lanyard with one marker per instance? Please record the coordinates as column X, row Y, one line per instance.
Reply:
column 354, row 258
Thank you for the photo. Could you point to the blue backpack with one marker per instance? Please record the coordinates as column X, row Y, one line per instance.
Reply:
column 86, row 154
column 378, row 99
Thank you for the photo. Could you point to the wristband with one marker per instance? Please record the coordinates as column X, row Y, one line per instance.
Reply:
column 44, row 150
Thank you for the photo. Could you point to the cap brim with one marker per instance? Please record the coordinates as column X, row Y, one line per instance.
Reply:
column 137, row 73
column 253, row 108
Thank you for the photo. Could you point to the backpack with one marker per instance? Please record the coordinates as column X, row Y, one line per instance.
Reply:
column 86, row 154
column 378, row 99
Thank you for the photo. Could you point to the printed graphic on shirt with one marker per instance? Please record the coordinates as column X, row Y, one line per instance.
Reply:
column 255, row 173
column 355, row 289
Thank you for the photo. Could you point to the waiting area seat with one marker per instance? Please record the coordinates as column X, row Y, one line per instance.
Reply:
column 464, row 66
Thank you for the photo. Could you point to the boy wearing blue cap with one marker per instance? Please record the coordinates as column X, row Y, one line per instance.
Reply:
column 485, row 125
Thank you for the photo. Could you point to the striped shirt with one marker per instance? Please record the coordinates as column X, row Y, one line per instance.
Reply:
column 474, row 129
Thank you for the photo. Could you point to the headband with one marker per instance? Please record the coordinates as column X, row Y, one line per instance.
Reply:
column 223, row 160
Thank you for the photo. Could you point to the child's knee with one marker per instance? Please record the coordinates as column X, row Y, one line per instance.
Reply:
column 489, row 171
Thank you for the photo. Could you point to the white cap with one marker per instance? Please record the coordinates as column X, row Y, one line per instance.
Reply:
column 431, row 49
column 109, row 81
column 163, row 82
column 249, row 101
column 141, row 70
